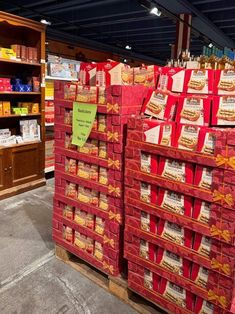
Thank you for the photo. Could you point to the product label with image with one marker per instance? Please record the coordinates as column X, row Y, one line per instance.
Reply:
column 166, row 135
column 207, row 308
column 172, row 262
column 175, row 294
column 209, row 144
column 192, row 111
column 204, row 215
column 173, row 233
column 156, row 105
column 189, row 137
column 144, row 249
column 148, row 279
column 206, row 179
column 226, row 111
column 145, row 221
column 202, row 277
column 227, row 82
column 173, row 202
column 145, row 192
column 205, row 246
column 198, row 82
column 174, row 170
column 145, row 162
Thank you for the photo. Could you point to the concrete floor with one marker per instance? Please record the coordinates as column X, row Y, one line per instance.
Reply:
column 32, row 280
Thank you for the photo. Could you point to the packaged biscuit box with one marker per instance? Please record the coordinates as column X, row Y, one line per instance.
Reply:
column 80, row 240
column 203, row 177
column 103, row 202
column 200, row 275
column 83, row 170
column 148, row 163
column 199, row 81
column 90, row 221
column 161, row 105
column 148, row 222
column 95, row 125
column 71, row 166
column 94, row 147
column 103, row 176
column 68, row 234
column 176, row 170
column 102, row 149
column 68, row 212
column 175, row 202
column 90, row 246
column 87, row 73
column 98, row 251
column 172, row 79
column 147, row 75
column 187, row 137
column 99, row 225
column 85, row 149
column 194, row 110
column 224, row 82
column 84, row 194
column 206, row 141
column 102, row 95
column 94, row 173
column 94, row 198
column 101, row 123
column 80, row 217
column 223, row 110
column 71, row 190
column 202, row 244
column 202, row 211
column 68, row 142
column 148, row 279
column 148, row 193
column 70, row 91
column 147, row 250
column 87, row 94
column 159, row 132
column 68, row 116
column 203, row 306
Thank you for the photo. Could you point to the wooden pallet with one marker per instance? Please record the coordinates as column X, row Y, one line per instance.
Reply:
column 115, row 285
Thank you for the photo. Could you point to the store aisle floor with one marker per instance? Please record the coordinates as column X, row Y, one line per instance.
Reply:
column 32, row 280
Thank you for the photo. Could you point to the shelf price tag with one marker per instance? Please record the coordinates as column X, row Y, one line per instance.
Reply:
column 83, row 119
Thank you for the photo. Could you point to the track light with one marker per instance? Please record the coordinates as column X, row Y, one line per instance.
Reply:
column 210, row 45
column 128, row 47
column 155, row 11
column 44, row 21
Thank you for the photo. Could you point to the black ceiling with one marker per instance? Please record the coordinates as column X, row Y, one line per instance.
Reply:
column 111, row 24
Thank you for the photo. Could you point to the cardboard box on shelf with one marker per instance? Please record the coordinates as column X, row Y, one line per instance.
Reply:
column 87, row 73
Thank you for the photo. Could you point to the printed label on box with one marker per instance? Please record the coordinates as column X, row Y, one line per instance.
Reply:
column 175, row 294
column 172, row 262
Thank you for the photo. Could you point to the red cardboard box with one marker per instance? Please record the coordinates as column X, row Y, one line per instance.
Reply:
column 223, row 110
column 203, row 177
column 207, row 141
column 147, row 75
column 172, row 79
column 224, row 82
column 194, row 110
column 113, row 73
column 161, row 105
column 199, row 81
column 148, row 163
column 176, row 170
column 87, row 73
column 187, row 137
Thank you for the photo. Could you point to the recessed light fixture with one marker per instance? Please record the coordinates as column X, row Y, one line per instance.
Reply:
column 44, row 21
column 128, row 47
column 210, row 45
column 125, row 60
column 155, row 11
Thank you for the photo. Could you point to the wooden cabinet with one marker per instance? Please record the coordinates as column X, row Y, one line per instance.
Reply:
column 22, row 164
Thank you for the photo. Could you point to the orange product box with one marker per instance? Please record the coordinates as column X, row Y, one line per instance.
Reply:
column 175, row 202
column 160, row 104
column 206, row 141
column 187, row 136
column 176, row 294
column 173, row 262
column 176, row 170
column 6, row 108
column 1, row 108
column 203, row 177
column 159, row 132
column 87, row 94
column 224, row 82
column 113, row 73
column 148, row 163
column 194, row 110
column 16, row 49
column 172, row 79
column 223, row 110
column 87, row 73
column 199, row 81
column 147, row 75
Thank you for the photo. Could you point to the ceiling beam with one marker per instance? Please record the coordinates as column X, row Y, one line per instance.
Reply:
column 221, row 9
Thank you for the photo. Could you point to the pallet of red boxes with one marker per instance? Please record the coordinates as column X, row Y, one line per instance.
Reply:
column 180, row 218
column 88, row 203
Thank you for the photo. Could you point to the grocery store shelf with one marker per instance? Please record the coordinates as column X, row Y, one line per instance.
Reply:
column 49, row 124
column 20, row 93
column 49, row 169
column 19, row 62
column 60, row 78
column 49, row 98
column 21, row 115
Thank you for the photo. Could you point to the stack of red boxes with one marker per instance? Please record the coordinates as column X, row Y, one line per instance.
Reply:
column 5, row 84
column 88, row 203
column 179, row 199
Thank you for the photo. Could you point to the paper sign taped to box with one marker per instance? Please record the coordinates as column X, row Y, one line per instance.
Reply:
column 83, row 119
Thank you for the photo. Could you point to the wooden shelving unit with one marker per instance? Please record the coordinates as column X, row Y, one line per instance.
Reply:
column 22, row 165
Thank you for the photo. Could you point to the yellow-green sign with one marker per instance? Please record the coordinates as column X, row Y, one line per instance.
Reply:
column 83, row 119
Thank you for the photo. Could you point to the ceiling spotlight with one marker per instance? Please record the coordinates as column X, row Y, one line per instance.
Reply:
column 128, row 47
column 155, row 11
column 43, row 21
column 125, row 60
column 210, row 45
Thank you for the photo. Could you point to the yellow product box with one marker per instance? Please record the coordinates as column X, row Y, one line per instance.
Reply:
column 6, row 108
column 6, row 53
column 49, row 90
column 35, row 108
column 16, row 110
column 1, row 108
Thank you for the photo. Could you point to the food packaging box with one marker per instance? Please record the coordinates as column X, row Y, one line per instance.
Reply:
column 224, row 82
column 29, row 54
column 194, row 110
column 35, row 55
column 16, row 49
column 87, row 73
column 172, row 79
column 187, row 137
column 87, row 94
column 203, row 306
column 1, row 108
column 113, row 73
column 201, row 211
column 147, row 75
column 207, row 141
column 223, row 110
column 157, row 132
column 199, row 81
column 176, row 170
column 23, row 53
column 6, row 108
column 160, row 105
column 148, row 193
column 5, row 81
column 203, row 177
column 6, row 53
column 175, row 202
column 148, row 163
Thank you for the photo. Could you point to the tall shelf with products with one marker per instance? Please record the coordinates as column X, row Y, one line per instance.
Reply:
column 22, row 109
